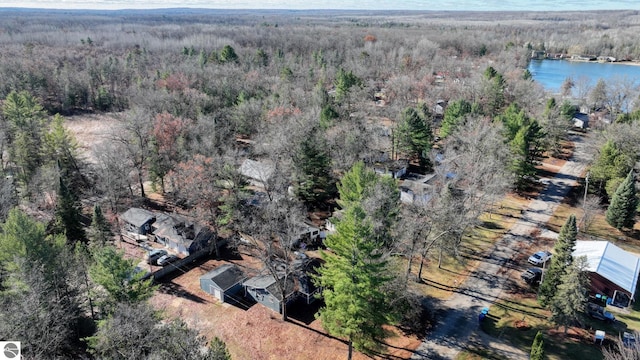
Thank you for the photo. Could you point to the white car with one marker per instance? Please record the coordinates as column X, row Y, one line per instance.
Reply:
column 539, row 258
column 154, row 255
column 167, row 259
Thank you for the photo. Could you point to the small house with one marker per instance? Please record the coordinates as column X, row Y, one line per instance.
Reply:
column 415, row 192
column 438, row 109
column 307, row 234
column 613, row 271
column 396, row 168
column 257, row 172
column 265, row 290
column 223, row 282
column 138, row 221
column 580, row 120
column 538, row 54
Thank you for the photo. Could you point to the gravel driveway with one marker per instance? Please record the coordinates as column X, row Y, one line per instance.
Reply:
column 457, row 326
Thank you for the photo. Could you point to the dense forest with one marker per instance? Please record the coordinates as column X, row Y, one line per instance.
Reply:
column 323, row 97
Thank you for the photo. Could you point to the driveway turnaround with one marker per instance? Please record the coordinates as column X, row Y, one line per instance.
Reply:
column 457, row 318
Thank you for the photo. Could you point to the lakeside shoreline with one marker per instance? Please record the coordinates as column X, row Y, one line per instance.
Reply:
column 625, row 62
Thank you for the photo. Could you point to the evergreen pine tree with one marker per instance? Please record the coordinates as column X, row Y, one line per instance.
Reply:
column 537, row 348
column 524, row 135
column 118, row 278
column 356, row 271
column 228, row 54
column 61, row 149
column 352, row 278
column 570, row 295
column 314, row 183
column 454, row 115
column 622, row 210
column 100, row 231
column 561, row 259
column 68, row 215
column 355, row 185
column 343, row 83
column 25, row 123
column 415, row 136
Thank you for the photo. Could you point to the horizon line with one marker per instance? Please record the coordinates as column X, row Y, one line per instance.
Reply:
column 27, row 8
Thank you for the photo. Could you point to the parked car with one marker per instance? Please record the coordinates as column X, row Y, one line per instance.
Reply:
column 154, row 255
column 598, row 312
column 539, row 258
column 629, row 339
column 532, row 276
column 167, row 259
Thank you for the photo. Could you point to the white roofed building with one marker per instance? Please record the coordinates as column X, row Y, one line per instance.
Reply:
column 614, row 271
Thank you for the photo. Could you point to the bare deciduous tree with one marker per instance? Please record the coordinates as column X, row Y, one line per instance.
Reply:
column 624, row 349
column 112, row 173
column 590, row 205
column 275, row 228
column 134, row 135
column 470, row 176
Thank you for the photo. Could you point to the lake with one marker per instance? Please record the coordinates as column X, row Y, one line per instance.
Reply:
column 552, row 73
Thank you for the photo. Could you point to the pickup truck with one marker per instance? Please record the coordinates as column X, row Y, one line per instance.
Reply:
column 598, row 312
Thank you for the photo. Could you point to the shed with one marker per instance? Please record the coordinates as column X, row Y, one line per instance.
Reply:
column 223, row 282
column 138, row 220
column 614, row 271
column 263, row 289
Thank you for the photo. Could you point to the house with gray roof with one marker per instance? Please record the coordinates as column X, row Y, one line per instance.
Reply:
column 181, row 234
column 265, row 290
column 138, row 220
column 257, row 172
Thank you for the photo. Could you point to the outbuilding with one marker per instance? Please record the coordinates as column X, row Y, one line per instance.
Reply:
column 613, row 271
column 223, row 282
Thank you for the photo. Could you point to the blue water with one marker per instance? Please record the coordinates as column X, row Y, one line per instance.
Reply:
column 552, row 73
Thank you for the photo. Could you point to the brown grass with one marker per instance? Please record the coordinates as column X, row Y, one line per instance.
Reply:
column 258, row 333
column 90, row 130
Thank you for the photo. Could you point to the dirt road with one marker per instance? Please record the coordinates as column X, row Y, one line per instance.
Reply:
column 457, row 327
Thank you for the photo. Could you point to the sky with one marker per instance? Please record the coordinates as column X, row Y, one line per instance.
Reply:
column 470, row 5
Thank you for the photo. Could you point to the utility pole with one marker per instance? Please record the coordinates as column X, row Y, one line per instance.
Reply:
column 584, row 199
column 586, row 188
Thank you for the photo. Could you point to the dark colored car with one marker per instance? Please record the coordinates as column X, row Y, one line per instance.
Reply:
column 629, row 339
column 532, row 276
